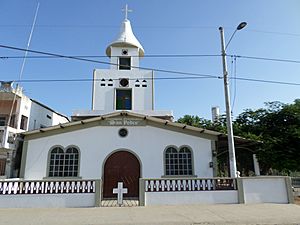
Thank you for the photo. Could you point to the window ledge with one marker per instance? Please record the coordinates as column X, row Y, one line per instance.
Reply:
column 179, row 176
column 62, row 178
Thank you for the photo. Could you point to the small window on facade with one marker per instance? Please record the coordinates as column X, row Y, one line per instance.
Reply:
column 1, row 135
column 110, row 82
column 123, row 99
column 137, row 83
column 178, row 162
column 102, row 82
column 144, row 83
column 2, row 120
column 124, row 51
column 124, row 82
column 123, row 132
column 64, row 164
column 49, row 117
column 2, row 167
column 24, row 120
column 124, row 63
column 12, row 122
column 11, row 137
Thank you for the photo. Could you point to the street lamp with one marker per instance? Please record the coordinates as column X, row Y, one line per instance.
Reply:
column 231, row 149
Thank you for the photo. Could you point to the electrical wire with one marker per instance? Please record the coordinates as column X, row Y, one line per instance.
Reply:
column 105, row 56
column 159, row 56
column 153, row 69
column 101, row 79
column 110, row 26
column 159, row 78
column 107, row 63
column 234, row 84
column 266, row 81
column 267, row 59
column 143, row 27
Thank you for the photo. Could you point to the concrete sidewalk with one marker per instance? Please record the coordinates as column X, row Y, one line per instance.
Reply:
column 154, row 215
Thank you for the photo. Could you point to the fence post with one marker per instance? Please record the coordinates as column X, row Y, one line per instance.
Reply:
column 288, row 184
column 240, row 189
column 142, row 192
column 97, row 193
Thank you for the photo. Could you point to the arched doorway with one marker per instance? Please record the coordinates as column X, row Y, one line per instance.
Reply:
column 121, row 166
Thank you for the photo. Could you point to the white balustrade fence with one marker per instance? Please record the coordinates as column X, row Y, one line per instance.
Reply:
column 49, row 193
column 46, row 187
column 169, row 185
column 170, row 191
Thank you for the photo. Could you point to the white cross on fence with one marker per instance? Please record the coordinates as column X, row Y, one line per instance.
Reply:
column 120, row 191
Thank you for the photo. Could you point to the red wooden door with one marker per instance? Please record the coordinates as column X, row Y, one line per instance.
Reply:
column 123, row 167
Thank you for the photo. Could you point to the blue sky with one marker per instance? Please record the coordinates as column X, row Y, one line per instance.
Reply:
column 74, row 27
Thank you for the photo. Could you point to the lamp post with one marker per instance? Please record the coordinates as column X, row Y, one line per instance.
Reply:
column 231, row 148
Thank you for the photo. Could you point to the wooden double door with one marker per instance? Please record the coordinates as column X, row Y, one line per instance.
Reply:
column 121, row 166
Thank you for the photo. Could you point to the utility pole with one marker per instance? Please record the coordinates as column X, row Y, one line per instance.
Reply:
column 231, row 148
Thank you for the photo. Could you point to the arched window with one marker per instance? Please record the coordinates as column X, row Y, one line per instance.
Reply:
column 178, row 162
column 56, row 166
column 64, row 164
column 71, row 162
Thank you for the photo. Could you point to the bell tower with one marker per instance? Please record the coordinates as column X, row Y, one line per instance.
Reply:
column 124, row 86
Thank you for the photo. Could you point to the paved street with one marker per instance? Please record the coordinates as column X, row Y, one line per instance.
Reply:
column 183, row 215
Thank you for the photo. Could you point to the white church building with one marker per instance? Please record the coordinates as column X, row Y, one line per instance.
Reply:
column 124, row 139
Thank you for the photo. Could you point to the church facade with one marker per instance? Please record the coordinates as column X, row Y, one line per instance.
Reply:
column 122, row 139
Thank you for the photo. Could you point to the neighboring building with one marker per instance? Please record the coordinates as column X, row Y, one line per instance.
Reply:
column 123, row 138
column 18, row 113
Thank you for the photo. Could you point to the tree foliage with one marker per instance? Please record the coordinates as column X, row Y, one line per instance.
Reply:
column 277, row 126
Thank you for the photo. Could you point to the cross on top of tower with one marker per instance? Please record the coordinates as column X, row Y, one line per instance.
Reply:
column 126, row 10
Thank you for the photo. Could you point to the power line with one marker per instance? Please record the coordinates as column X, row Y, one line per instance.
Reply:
column 274, row 32
column 266, row 81
column 157, row 78
column 102, row 79
column 107, row 63
column 267, row 59
column 105, row 56
column 110, row 26
column 157, row 56
column 234, row 85
column 152, row 69
column 88, row 26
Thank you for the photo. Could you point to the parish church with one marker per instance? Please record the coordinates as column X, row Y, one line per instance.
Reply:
column 122, row 138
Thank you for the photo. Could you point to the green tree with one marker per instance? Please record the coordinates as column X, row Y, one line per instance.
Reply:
column 196, row 121
column 280, row 132
column 277, row 126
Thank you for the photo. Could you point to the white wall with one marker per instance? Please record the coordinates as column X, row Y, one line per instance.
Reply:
column 97, row 143
column 192, row 197
column 265, row 190
column 38, row 117
column 25, row 110
column 104, row 96
column 47, row 200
